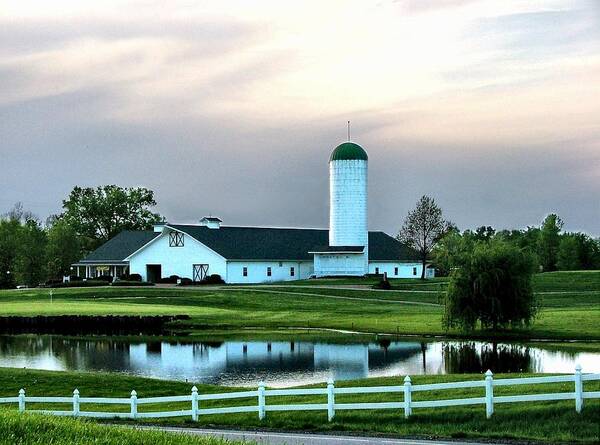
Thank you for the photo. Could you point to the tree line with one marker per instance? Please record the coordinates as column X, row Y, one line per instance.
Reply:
column 491, row 271
column 33, row 252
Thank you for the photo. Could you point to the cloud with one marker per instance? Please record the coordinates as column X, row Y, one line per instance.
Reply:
column 232, row 108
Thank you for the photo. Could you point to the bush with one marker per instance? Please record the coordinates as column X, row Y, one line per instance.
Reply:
column 131, row 283
column 130, row 277
column 186, row 281
column 213, row 279
column 88, row 283
column 169, row 280
column 493, row 287
column 383, row 284
column 105, row 278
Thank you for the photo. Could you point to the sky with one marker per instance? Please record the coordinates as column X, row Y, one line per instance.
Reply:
column 231, row 108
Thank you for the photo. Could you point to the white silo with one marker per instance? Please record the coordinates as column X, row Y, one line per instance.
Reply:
column 348, row 172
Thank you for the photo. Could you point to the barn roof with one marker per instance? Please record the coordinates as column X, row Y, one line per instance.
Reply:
column 121, row 246
column 269, row 243
column 254, row 243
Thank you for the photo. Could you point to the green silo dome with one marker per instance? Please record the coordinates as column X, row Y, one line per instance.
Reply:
column 348, row 151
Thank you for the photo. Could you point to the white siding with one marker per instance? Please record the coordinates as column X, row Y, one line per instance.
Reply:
column 405, row 270
column 257, row 271
column 339, row 264
column 177, row 260
column 348, row 208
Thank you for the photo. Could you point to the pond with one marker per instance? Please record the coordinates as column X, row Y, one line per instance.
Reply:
column 284, row 363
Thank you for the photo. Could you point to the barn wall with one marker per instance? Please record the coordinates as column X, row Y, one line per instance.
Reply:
column 257, row 271
column 405, row 270
column 177, row 260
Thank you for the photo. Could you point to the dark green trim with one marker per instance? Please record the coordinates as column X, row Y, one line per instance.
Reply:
column 348, row 151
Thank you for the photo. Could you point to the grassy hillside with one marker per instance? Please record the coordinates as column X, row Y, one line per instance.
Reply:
column 546, row 421
column 570, row 307
column 43, row 430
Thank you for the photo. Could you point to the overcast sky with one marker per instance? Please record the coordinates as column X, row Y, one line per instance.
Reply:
column 231, row 108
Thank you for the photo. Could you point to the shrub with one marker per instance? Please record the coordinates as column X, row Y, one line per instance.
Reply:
column 384, row 284
column 169, row 280
column 105, row 278
column 132, row 283
column 213, row 279
column 131, row 277
column 186, row 281
column 493, row 287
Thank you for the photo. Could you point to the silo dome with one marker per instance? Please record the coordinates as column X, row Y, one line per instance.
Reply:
column 348, row 151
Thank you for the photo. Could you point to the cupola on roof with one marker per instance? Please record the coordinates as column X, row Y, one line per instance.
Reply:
column 348, row 151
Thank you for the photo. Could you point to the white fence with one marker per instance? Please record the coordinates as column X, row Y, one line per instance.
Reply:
column 407, row 405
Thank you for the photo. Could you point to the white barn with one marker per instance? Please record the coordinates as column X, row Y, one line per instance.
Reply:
column 266, row 254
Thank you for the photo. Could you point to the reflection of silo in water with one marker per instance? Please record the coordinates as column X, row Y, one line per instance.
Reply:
column 285, row 356
column 343, row 361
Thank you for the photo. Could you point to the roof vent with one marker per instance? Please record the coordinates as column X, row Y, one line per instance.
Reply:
column 211, row 222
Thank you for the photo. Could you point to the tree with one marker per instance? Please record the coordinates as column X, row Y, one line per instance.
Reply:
column 423, row 227
column 548, row 242
column 63, row 248
column 449, row 252
column 9, row 242
column 492, row 287
column 99, row 214
column 577, row 251
column 484, row 233
column 30, row 263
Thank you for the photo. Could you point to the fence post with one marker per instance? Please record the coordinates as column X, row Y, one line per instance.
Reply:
column 76, row 402
column 578, row 389
column 489, row 394
column 21, row 400
column 133, row 404
column 330, row 400
column 194, row 403
column 407, row 397
column 261, row 401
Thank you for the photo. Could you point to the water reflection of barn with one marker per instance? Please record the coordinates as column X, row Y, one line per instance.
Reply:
column 350, row 360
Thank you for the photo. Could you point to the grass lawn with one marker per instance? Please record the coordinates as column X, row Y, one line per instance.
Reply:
column 570, row 311
column 539, row 421
column 33, row 429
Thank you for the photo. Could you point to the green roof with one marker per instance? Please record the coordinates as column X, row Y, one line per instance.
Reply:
column 255, row 243
column 121, row 246
column 348, row 151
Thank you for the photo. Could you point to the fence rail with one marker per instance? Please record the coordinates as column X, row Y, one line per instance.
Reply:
column 261, row 394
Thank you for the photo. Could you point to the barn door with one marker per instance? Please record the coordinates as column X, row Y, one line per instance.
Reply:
column 200, row 272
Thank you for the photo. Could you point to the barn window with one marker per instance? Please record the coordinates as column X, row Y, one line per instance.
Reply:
column 377, row 271
column 245, row 271
column 280, row 264
column 268, row 271
column 395, row 271
column 414, row 271
column 292, row 271
column 175, row 239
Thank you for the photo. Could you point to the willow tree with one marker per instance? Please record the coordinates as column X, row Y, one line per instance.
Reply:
column 491, row 287
column 422, row 228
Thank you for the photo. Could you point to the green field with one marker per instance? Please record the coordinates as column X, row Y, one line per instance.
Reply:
column 33, row 429
column 541, row 421
column 570, row 307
